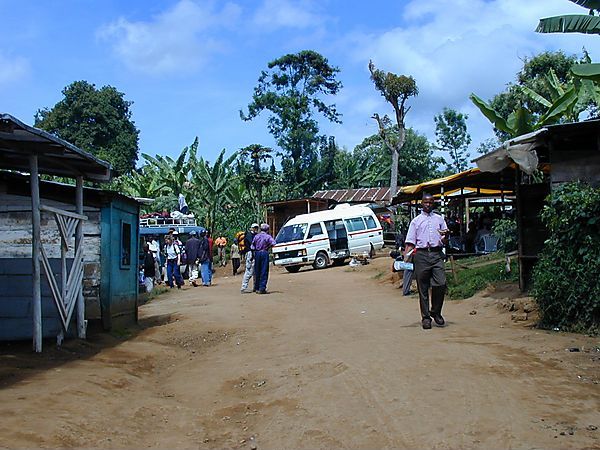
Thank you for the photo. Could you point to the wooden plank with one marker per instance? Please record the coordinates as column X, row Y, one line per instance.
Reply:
column 62, row 212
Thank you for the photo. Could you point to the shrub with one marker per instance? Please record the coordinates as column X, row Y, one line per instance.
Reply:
column 565, row 279
column 506, row 231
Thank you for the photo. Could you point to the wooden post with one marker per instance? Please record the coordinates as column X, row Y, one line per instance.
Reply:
column 81, row 323
column 35, row 254
column 453, row 269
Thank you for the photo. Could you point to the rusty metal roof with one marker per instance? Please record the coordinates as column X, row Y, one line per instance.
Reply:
column 361, row 195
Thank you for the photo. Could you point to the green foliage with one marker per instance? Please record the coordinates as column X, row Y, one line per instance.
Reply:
column 452, row 137
column 95, row 120
column 506, row 232
column 292, row 92
column 473, row 279
column 565, row 279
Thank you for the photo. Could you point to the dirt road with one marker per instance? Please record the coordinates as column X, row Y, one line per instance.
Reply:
column 330, row 359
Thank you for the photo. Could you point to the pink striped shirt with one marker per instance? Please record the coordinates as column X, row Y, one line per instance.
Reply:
column 423, row 230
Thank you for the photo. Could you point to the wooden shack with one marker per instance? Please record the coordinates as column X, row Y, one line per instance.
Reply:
column 110, row 255
column 544, row 159
column 278, row 213
column 61, row 251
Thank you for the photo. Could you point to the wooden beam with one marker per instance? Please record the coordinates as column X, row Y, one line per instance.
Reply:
column 35, row 254
column 63, row 212
column 81, row 323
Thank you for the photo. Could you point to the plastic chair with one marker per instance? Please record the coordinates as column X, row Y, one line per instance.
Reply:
column 488, row 243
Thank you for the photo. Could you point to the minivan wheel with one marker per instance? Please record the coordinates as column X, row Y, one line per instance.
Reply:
column 292, row 269
column 320, row 261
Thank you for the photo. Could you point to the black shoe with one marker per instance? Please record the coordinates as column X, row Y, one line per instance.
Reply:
column 426, row 322
column 261, row 292
column 439, row 320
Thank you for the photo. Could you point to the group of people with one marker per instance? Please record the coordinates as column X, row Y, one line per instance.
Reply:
column 196, row 255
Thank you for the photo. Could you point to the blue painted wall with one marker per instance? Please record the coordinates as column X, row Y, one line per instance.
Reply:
column 119, row 262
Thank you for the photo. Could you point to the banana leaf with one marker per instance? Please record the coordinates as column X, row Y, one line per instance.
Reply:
column 570, row 23
column 559, row 108
column 535, row 96
column 587, row 71
column 520, row 121
column 491, row 114
column 589, row 4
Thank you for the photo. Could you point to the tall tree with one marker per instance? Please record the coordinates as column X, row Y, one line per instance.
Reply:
column 396, row 89
column 95, row 120
column 452, row 137
column 416, row 162
column 256, row 179
column 292, row 90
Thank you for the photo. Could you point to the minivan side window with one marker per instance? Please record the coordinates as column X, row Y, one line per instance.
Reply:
column 355, row 224
column 370, row 222
column 314, row 230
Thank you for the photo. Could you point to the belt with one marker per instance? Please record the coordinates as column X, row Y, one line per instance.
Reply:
column 430, row 249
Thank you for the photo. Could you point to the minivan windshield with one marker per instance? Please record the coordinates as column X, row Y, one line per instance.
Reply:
column 291, row 233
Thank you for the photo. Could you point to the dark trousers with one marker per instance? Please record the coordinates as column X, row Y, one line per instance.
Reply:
column 235, row 263
column 261, row 270
column 430, row 272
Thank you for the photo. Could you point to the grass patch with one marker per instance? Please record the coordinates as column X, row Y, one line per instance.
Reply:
column 472, row 276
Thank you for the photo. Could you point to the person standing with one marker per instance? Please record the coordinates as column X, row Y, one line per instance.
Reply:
column 183, row 206
column 261, row 244
column 192, row 248
column 210, row 241
column 221, row 243
column 235, row 256
column 154, row 247
column 173, row 260
column 427, row 234
column 204, row 258
column 149, row 268
column 248, row 256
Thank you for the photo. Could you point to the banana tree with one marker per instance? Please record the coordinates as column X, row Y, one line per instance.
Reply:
column 521, row 120
column 211, row 186
column 174, row 173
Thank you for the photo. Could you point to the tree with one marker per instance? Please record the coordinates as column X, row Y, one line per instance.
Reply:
column 95, row 120
column 257, row 179
column 416, row 162
column 452, row 137
column 396, row 89
column 292, row 90
column 533, row 76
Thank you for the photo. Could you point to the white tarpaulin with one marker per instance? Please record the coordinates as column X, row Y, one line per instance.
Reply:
column 520, row 150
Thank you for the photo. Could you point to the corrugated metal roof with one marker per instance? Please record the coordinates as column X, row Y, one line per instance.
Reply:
column 361, row 195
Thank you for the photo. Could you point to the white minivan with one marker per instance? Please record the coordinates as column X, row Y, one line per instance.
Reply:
column 326, row 237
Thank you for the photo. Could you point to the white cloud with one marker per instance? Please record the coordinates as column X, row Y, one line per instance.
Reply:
column 12, row 68
column 177, row 41
column 455, row 48
column 274, row 14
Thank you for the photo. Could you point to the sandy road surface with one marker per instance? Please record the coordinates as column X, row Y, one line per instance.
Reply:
column 330, row 359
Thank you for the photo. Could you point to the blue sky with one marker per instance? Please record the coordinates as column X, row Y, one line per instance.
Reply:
column 189, row 66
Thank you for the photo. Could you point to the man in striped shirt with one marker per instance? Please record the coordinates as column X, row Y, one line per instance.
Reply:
column 427, row 234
